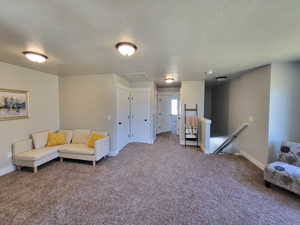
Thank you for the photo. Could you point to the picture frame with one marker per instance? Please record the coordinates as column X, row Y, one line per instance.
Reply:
column 14, row 104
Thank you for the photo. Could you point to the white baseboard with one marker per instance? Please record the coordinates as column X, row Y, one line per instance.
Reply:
column 253, row 160
column 7, row 170
column 112, row 154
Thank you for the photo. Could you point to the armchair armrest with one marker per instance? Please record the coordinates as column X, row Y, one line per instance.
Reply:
column 102, row 147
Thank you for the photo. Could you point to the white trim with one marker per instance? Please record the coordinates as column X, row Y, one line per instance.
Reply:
column 7, row 170
column 253, row 160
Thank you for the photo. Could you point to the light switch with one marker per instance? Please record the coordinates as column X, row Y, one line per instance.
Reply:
column 251, row 119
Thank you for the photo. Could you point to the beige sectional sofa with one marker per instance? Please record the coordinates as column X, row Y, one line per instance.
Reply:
column 34, row 152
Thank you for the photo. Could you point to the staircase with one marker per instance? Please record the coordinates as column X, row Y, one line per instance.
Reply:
column 227, row 141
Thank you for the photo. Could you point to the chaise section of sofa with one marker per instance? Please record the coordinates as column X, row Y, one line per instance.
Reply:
column 285, row 172
column 34, row 152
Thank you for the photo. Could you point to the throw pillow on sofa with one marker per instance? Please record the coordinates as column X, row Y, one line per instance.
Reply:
column 40, row 139
column 55, row 139
column 93, row 138
column 81, row 136
column 68, row 135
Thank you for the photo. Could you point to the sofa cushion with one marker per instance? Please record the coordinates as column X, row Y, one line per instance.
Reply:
column 40, row 139
column 93, row 138
column 36, row 154
column 290, row 154
column 284, row 175
column 68, row 135
column 55, row 139
column 80, row 136
column 80, row 149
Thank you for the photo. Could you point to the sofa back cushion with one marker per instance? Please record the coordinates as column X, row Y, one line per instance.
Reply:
column 68, row 135
column 81, row 136
column 40, row 139
column 290, row 153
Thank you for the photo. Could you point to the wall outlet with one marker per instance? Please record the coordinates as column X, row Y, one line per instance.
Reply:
column 251, row 119
column 109, row 118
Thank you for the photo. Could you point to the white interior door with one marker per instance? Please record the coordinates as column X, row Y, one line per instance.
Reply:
column 140, row 115
column 123, row 117
column 164, row 114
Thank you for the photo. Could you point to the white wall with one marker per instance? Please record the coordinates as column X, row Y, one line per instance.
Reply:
column 191, row 93
column 89, row 101
column 284, row 105
column 44, row 106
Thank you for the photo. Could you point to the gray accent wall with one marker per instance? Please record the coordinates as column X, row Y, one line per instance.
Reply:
column 244, row 100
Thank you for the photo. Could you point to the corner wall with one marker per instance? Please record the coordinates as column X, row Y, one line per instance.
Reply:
column 43, row 106
column 89, row 101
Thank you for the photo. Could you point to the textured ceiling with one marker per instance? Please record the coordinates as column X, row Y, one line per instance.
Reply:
column 184, row 37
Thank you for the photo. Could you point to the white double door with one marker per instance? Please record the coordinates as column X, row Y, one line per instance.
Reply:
column 133, row 116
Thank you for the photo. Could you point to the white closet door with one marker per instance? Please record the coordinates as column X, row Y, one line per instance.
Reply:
column 140, row 115
column 123, row 117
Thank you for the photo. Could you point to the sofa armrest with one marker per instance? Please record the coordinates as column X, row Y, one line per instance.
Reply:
column 290, row 153
column 22, row 146
column 102, row 146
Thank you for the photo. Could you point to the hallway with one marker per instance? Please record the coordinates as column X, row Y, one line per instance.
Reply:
column 163, row 183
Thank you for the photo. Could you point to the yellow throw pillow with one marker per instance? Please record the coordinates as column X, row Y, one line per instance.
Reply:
column 56, row 139
column 93, row 138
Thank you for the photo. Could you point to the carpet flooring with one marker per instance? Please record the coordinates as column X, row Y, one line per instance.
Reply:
column 156, row 184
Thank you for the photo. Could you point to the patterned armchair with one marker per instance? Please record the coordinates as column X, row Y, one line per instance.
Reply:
column 285, row 172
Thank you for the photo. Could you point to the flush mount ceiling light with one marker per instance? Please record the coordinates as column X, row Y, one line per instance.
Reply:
column 126, row 48
column 169, row 79
column 210, row 72
column 35, row 57
column 221, row 78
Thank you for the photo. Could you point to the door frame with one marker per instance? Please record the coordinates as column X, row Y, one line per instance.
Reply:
column 174, row 94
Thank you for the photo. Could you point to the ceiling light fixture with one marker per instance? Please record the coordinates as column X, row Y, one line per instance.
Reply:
column 126, row 48
column 169, row 79
column 210, row 72
column 35, row 57
column 221, row 78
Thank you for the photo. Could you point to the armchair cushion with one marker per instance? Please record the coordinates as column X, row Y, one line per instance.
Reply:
column 290, row 154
